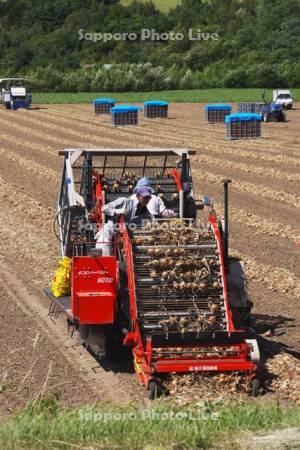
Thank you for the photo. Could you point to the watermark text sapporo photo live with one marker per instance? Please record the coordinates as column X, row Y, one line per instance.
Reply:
column 148, row 35
column 149, row 415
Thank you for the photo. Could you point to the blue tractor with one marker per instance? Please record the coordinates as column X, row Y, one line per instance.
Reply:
column 272, row 112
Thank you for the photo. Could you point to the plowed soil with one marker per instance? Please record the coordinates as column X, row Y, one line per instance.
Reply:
column 37, row 355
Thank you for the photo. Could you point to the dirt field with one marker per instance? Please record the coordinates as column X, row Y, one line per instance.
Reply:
column 37, row 356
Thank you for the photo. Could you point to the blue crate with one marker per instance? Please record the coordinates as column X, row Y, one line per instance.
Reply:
column 125, row 115
column 243, row 126
column 218, row 107
column 103, row 105
column 155, row 108
column 216, row 113
column 249, row 107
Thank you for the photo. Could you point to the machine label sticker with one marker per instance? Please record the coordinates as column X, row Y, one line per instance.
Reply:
column 105, row 280
column 202, row 368
column 93, row 272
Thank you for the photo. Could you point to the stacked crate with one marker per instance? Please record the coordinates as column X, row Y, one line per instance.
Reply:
column 216, row 113
column 155, row 108
column 243, row 126
column 253, row 108
column 125, row 115
column 103, row 105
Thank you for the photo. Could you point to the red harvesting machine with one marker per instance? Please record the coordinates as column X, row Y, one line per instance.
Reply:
column 169, row 292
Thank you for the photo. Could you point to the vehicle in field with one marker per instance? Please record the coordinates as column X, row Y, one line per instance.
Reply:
column 272, row 112
column 14, row 93
column 167, row 291
column 283, row 97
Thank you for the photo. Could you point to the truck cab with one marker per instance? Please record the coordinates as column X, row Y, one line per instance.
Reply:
column 283, row 97
column 14, row 93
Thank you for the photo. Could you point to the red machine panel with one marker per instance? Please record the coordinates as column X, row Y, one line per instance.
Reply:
column 94, row 289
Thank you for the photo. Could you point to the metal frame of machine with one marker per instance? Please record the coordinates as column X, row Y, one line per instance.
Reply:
column 114, row 293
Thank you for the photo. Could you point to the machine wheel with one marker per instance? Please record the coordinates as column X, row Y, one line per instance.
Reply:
column 7, row 105
column 255, row 387
column 152, row 390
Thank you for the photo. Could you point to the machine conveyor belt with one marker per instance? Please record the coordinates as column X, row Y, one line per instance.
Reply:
column 174, row 298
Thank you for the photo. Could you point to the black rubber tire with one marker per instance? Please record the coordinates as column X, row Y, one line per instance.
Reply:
column 255, row 387
column 152, row 390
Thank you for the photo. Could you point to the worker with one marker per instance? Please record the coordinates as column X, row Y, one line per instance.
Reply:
column 135, row 211
column 156, row 205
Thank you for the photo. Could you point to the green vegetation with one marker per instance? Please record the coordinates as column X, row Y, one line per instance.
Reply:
column 162, row 5
column 45, row 425
column 255, row 44
column 189, row 96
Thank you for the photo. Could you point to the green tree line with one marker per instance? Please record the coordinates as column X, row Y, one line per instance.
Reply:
column 257, row 44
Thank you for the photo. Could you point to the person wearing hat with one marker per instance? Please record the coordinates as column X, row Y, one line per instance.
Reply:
column 135, row 211
column 156, row 205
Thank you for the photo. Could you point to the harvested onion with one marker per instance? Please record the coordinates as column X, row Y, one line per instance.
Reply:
column 155, row 287
column 153, row 263
column 212, row 319
column 214, row 308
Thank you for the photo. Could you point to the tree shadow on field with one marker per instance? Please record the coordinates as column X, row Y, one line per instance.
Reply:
column 37, row 108
column 122, row 363
column 278, row 326
column 270, row 346
column 265, row 322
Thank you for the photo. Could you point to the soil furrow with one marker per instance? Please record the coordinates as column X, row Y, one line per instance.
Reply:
column 256, row 189
column 264, row 228
column 202, row 130
column 247, row 168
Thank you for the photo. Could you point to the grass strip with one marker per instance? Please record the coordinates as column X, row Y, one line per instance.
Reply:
column 200, row 425
column 179, row 96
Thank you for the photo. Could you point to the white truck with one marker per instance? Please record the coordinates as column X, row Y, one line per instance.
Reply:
column 283, row 97
column 14, row 93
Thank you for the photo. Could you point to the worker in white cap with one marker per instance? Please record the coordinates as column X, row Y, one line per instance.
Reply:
column 156, row 205
column 135, row 211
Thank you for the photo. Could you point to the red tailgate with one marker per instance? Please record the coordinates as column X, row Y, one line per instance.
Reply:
column 94, row 289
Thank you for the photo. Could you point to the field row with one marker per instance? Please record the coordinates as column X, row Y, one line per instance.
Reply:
column 175, row 131
column 264, row 205
column 43, row 252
